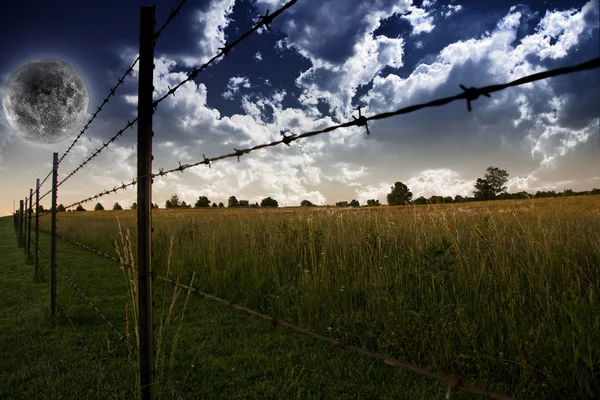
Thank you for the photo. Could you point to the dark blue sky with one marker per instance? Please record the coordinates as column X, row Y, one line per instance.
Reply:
column 322, row 59
column 89, row 35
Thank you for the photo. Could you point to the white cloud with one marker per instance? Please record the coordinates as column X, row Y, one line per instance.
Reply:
column 450, row 9
column 439, row 182
column 233, row 86
column 258, row 56
column 212, row 24
column 420, row 19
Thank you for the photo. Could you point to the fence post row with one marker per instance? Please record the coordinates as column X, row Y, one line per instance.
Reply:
column 29, row 224
column 144, row 202
column 37, row 229
column 53, row 237
column 21, row 241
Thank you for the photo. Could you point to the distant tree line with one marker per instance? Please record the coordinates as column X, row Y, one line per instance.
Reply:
column 492, row 186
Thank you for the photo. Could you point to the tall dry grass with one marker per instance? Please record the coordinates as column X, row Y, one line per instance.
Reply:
column 507, row 289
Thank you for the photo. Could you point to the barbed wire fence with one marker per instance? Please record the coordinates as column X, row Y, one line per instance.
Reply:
column 22, row 219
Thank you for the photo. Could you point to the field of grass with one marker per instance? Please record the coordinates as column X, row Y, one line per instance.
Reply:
column 222, row 353
column 507, row 289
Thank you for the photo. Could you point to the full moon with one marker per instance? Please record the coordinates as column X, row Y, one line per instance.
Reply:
column 46, row 100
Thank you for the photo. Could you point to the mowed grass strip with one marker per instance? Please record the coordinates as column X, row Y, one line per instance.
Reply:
column 220, row 353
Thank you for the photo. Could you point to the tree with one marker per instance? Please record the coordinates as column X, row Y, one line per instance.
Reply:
column 134, row 206
column 221, row 205
column 306, row 203
column 354, row 203
column 173, row 202
column 232, row 202
column 373, row 203
column 40, row 209
column 80, row 208
column 458, row 198
column 243, row 203
column 269, row 202
column 203, row 201
column 492, row 184
column 214, row 205
column 60, row 208
column 420, row 201
column 436, row 200
column 399, row 195
column 155, row 205
column 185, row 205
column 117, row 206
column 98, row 207
column 448, row 199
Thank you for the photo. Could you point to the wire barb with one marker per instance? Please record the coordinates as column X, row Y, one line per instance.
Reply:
column 94, row 307
column 343, row 344
column 361, row 120
column 473, row 94
column 111, row 92
column 224, row 50
column 87, row 349
column 595, row 63
column 174, row 12
column 267, row 20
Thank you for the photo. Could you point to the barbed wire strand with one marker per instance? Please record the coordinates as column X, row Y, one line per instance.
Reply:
column 103, row 193
column 265, row 20
column 99, row 150
column 44, row 254
column 453, row 382
column 172, row 15
column 45, row 179
column 87, row 349
column 111, row 93
column 94, row 307
column 468, row 94
column 99, row 252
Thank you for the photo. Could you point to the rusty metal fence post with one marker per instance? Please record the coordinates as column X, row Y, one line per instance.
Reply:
column 144, row 203
column 37, row 277
column 29, row 225
column 53, row 237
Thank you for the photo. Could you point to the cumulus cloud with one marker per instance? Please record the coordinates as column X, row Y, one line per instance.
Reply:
column 545, row 134
column 211, row 23
column 233, row 86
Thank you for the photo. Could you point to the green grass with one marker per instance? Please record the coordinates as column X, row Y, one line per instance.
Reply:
column 221, row 353
column 506, row 289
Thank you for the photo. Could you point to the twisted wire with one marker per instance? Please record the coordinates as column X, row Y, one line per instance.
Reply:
column 172, row 15
column 453, row 382
column 468, row 94
column 87, row 349
column 111, row 93
column 99, row 252
column 94, row 307
column 99, row 150
column 264, row 21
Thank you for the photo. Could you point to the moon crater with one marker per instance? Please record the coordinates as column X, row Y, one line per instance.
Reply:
column 46, row 101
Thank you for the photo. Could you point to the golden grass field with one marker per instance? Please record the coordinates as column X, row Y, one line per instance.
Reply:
column 507, row 289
